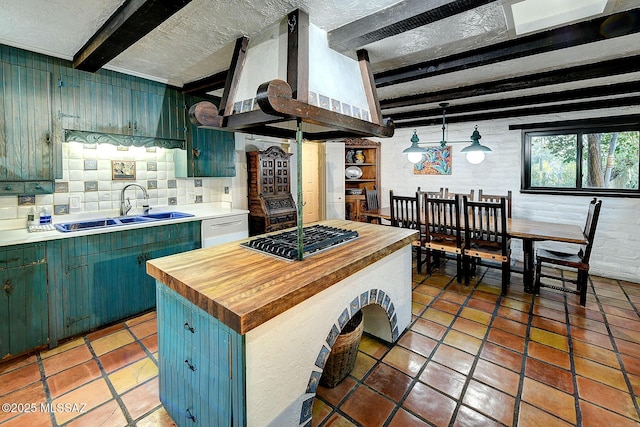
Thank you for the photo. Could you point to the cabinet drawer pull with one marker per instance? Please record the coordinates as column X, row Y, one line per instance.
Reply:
column 8, row 287
column 191, row 416
column 8, row 188
column 190, row 366
column 189, row 328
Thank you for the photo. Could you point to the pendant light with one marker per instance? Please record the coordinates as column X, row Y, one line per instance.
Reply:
column 475, row 152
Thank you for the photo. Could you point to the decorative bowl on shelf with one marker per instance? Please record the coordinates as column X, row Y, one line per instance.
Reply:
column 353, row 191
column 353, row 172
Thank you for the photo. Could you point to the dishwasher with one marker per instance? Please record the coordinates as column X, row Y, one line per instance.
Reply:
column 215, row 231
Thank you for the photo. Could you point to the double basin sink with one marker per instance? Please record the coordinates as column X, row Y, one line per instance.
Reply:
column 116, row 222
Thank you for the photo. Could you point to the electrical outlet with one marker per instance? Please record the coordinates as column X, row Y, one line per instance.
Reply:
column 226, row 190
column 191, row 197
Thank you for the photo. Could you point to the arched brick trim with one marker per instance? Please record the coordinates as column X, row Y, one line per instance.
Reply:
column 372, row 296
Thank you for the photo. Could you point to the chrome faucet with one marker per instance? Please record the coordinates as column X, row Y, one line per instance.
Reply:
column 125, row 205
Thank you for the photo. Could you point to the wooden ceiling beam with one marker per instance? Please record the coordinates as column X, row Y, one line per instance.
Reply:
column 523, row 112
column 132, row 21
column 396, row 19
column 581, row 72
column 547, row 41
column 521, row 101
column 206, row 84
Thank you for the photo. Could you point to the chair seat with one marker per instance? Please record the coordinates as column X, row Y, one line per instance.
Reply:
column 561, row 258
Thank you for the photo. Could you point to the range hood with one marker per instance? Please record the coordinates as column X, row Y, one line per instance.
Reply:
column 287, row 78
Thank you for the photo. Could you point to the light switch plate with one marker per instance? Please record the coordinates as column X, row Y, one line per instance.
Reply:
column 74, row 202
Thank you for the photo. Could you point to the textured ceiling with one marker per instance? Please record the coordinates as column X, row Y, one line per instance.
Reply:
column 198, row 40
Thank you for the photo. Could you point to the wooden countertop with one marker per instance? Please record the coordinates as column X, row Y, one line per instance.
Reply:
column 244, row 288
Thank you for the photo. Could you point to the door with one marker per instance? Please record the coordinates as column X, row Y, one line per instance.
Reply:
column 311, row 194
column 334, row 178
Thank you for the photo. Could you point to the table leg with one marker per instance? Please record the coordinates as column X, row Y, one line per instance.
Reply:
column 527, row 274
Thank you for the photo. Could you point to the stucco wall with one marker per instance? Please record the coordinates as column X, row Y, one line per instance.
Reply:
column 616, row 252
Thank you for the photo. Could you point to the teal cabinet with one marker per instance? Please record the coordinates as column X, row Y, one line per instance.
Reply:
column 125, row 105
column 25, row 131
column 201, row 364
column 100, row 279
column 209, row 153
column 23, row 298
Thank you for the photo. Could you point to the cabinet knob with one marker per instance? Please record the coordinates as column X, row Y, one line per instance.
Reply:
column 8, row 188
column 37, row 186
column 189, row 328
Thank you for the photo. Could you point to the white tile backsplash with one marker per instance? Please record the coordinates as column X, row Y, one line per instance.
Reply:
column 107, row 198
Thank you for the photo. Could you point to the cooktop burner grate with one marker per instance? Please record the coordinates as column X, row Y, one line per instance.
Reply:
column 314, row 239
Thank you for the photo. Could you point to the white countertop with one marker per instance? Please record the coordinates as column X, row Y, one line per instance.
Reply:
column 200, row 212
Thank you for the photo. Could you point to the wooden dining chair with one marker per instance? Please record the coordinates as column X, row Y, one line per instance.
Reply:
column 432, row 194
column 442, row 233
column 576, row 260
column 371, row 197
column 451, row 195
column 485, row 237
column 404, row 211
column 484, row 197
column 372, row 205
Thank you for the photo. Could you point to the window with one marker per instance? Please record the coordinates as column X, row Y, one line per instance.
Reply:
column 602, row 160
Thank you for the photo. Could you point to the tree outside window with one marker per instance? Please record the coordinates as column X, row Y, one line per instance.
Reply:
column 582, row 161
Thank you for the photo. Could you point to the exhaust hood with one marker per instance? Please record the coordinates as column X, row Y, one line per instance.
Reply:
column 287, row 77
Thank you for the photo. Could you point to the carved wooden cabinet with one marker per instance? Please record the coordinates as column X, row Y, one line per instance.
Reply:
column 271, row 205
column 364, row 155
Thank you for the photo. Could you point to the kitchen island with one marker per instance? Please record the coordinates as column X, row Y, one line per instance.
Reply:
column 243, row 336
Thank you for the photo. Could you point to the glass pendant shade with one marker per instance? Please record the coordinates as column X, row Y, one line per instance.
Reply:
column 414, row 153
column 475, row 152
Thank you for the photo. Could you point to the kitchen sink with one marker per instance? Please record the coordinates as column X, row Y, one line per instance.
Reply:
column 114, row 222
column 86, row 225
column 167, row 215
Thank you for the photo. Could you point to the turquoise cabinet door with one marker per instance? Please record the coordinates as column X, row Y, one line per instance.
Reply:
column 25, row 126
column 209, row 153
column 216, row 153
column 93, row 105
column 100, row 279
column 23, row 298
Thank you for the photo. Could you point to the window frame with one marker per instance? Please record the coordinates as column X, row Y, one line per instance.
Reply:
column 578, row 128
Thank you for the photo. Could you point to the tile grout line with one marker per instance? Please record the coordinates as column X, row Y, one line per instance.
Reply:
column 572, row 361
column 47, row 391
column 415, row 379
column 617, row 352
column 105, row 376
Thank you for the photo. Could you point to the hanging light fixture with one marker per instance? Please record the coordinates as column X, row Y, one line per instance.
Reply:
column 414, row 153
column 474, row 152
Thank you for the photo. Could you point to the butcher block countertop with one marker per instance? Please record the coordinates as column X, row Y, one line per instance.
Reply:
column 243, row 288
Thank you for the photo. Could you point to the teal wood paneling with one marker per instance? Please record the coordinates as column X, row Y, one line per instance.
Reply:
column 197, row 355
column 25, row 126
column 107, row 101
column 101, row 278
column 216, row 155
column 23, row 298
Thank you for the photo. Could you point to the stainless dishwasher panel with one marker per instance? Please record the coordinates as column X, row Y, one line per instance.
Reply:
column 215, row 231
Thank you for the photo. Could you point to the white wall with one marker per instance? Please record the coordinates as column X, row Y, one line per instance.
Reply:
column 616, row 252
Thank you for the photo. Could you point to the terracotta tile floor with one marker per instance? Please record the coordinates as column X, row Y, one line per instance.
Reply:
column 469, row 358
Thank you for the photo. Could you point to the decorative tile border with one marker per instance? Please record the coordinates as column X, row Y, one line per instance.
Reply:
column 373, row 296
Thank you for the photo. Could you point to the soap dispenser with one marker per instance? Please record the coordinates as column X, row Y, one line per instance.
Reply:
column 45, row 216
column 31, row 217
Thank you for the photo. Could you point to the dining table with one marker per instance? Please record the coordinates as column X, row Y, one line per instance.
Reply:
column 529, row 231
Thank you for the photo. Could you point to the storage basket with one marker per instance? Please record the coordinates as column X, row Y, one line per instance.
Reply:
column 344, row 352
